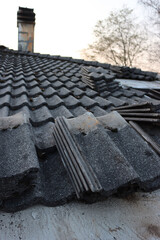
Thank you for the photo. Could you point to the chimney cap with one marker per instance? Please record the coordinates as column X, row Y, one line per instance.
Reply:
column 26, row 15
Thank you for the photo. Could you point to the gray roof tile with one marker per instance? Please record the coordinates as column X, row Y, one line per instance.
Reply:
column 116, row 101
column 61, row 111
column 53, row 78
column 29, row 78
column 57, row 84
column 63, row 92
column 128, row 100
column 71, row 102
column 43, row 136
column 19, row 83
column 34, row 91
column 37, row 102
column 4, row 91
column 19, row 77
column 128, row 93
column 45, row 84
column 102, row 102
column 49, row 91
column 4, row 84
column 97, row 111
column 17, row 102
column 7, row 77
column 54, row 101
column 42, row 77
column 32, row 84
column 139, row 93
column 90, row 93
column 40, row 116
column 117, row 93
column 5, row 100
column 88, row 102
column 64, row 79
column 45, row 190
column 4, row 111
column 77, row 111
column 143, row 159
column 77, row 92
column 81, row 85
column 70, row 85
column 74, row 79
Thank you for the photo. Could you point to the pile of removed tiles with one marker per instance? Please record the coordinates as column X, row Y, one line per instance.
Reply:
column 99, row 79
column 133, row 73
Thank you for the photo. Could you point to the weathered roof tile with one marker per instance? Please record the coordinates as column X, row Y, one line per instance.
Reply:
column 71, row 101
column 88, row 102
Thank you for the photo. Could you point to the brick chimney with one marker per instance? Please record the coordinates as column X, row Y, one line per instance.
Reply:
column 25, row 24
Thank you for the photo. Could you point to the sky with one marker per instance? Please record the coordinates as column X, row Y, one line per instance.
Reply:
column 63, row 27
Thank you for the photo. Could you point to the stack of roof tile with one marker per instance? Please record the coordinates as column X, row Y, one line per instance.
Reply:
column 154, row 93
column 133, row 73
column 102, row 80
column 144, row 112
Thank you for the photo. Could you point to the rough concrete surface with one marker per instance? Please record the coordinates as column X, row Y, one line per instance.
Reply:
column 13, row 121
column 134, row 218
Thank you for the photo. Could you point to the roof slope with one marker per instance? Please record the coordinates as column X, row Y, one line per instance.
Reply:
column 44, row 87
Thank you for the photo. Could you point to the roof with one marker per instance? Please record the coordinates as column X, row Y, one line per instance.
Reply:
column 35, row 90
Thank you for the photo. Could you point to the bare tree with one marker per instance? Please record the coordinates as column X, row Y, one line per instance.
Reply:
column 118, row 39
column 153, row 4
column 154, row 16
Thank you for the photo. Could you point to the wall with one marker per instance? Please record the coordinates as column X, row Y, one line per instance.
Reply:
column 26, row 37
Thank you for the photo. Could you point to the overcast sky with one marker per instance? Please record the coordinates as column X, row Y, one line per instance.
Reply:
column 63, row 27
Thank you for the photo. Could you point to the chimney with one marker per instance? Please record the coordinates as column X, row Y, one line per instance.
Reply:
column 25, row 24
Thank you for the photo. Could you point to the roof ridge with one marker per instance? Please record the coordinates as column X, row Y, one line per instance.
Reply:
column 57, row 57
